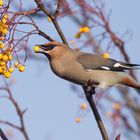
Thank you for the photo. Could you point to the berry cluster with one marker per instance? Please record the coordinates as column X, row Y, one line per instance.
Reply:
column 6, row 51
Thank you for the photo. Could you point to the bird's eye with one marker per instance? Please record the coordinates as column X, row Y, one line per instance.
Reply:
column 51, row 47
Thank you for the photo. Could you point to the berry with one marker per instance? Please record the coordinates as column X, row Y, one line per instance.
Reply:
column 7, row 74
column 1, row 70
column 5, row 58
column 16, row 64
column 2, row 45
column 1, row 56
column 10, row 57
column 21, row 68
column 81, row 29
column 49, row 19
column 106, row 55
column 78, row 120
column 84, row 106
column 36, row 48
column 1, row 2
column 5, row 16
column 86, row 29
column 78, row 35
column 4, row 31
column 1, row 38
column 117, row 106
column 4, row 20
column 2, row 63
column 11, row 69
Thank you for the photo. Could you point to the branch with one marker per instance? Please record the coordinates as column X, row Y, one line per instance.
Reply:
column 89, row 91
column 19, row 112
column 53, row 18
column 59, row 4
column 10, row 124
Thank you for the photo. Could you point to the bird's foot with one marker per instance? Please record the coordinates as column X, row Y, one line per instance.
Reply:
column 89, row 88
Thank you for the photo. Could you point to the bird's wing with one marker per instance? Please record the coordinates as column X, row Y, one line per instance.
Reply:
column 97, row 62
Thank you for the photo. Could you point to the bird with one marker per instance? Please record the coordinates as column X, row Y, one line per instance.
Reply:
column 80, row 67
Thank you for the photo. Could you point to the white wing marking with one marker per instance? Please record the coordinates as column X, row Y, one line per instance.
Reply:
column 106, row 68
column 117, row 65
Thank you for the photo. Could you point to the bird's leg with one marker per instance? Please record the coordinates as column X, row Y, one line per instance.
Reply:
column 89, row 89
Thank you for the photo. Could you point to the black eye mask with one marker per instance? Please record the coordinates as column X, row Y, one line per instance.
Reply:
column 47, row 48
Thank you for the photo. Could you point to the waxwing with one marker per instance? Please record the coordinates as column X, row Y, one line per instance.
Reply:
column 79, row 67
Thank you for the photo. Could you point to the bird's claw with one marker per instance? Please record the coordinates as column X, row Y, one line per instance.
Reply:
column 89, row 88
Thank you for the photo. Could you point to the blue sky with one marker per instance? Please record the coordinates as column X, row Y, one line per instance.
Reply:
column 52, row 105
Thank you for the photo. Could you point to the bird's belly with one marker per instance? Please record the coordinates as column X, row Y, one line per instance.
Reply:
column 101, row 78
column 106, row 78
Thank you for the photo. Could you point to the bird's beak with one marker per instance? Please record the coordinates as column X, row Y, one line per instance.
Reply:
column 42, row 49
column 45, row 48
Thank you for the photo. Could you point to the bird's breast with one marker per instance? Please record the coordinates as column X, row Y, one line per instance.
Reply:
column 57, row 68
column 69, row 70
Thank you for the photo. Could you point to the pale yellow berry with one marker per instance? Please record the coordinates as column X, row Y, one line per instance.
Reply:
column 9, row 49
column 78, row 35
column 11, row 69
column 4, row 20
column 5, row 16
column 10, row 57
column 3, row 67
column 2, row 63
column 1, row 2
column 7, row 74
column 5, row 58
column 6, row 26
column 1, row 56
column 2, row 45
column 108, row 114
column 16, row 65
column 81, row 29
column 49, row 19
column 117, row 106
column 1, row 70
column 7, row 53
column 21, row 68
column 84, row 106
column 4, row 31
column 72, row 42
column 78, row 120
column 106, row 55
column 36, row 48
column 1, row 38
column 86, row 29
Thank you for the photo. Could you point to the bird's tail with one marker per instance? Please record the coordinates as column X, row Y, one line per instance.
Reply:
column 131, row 82
column 129, row 66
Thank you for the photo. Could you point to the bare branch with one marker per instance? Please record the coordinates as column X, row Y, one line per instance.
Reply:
column 42, row 7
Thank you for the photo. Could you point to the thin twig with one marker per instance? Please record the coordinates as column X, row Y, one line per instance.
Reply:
column 9, row 124
column 59, row 3
column 19, row 112
column 53, row 18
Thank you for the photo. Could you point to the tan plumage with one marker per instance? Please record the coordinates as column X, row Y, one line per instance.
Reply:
column 79, row 67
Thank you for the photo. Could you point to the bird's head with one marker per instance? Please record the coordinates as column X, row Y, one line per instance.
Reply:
column 52, row 49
